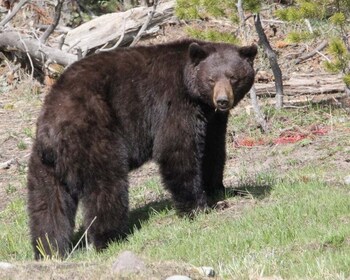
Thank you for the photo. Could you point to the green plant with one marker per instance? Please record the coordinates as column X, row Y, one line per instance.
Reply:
column 328, row 12
column 28, row 131
column 21, row 145
column 10, row 189
column 213, row 35
column 202, row 9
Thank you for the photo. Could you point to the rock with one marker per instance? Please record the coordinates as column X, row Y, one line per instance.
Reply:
column 347, row 180
column 128, row 262
column 206, row 271
column 5, row 265
column 178, row 277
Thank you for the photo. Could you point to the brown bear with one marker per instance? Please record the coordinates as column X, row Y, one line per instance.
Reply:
column 111, row 112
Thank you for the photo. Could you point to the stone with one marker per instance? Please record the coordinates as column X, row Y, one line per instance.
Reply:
column 128, row 262
column 206, row 271
column 178, row 277
column 6, row 265
column 347, row 180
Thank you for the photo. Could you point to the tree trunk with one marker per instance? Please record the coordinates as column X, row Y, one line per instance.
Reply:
column 273, row 61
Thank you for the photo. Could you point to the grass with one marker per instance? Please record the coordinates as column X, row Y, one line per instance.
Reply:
column 290, row 221
column 299, row 230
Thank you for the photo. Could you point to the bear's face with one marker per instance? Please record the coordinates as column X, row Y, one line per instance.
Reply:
column 221, row 74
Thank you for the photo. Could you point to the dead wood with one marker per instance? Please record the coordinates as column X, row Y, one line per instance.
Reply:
column 272, row 59
column 51, row 28
column 308, row 55
column 13, row 12
column 303, row 101
column 96, row 33
column 304, row 84
column 145, row 25
column 14, row 41
column 108, row 28
column 259, row 117
column 7, row 164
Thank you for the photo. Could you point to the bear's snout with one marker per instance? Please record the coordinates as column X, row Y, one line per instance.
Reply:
column 223, row 98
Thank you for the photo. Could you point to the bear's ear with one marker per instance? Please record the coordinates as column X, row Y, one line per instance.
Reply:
column 248, row 52
column 197, row 53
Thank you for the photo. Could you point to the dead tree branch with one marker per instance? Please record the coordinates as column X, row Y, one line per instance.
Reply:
column 25, row 44
column 51, row 28
column 145, row 25
column 116, row 45
column 108, row 28
column 273, row 61
column 260, row 119
column 13, row 13
column 308, row 55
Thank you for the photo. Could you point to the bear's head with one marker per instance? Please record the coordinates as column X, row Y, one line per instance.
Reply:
column 219, row 74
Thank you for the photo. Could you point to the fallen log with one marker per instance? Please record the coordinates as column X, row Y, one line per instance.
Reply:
column 109, row 28
column 91, row 35
column 11, row 40
column 304, row 84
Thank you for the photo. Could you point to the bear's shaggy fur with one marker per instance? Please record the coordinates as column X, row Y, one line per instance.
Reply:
column 109, row 113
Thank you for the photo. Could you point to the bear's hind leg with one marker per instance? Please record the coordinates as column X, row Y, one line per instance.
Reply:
column 106, row 211
column 51, row 211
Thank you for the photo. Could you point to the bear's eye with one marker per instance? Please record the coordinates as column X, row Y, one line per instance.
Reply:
column 211, row 81
column 233, row 79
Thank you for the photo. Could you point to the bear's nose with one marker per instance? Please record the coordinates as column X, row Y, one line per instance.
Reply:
column 222, row 102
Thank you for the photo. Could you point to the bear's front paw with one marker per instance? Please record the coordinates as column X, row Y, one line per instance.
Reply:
column 192, row 208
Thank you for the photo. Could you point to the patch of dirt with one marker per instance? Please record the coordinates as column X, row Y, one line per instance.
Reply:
column 58, row 270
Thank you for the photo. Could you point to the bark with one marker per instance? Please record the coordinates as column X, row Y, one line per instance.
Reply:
column 257, row 112
column 308, row 55
column 272, row 59
column 305, row 84
column 15, row 41
column 13, row 12
column 89, row 36
column 259, row 116
column 145, row 25
column 51, row 28
column 108, row 28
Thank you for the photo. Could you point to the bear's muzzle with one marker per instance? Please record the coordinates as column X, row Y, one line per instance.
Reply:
column 223, row 97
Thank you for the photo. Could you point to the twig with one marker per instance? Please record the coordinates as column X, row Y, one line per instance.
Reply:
column 144, row 26
column 81, row 238
column 324, row 56
column 52, row 26
column 312, row 53
column 116, row 45
column 7, row 164
column 13, row 13
column 273, row 21
column 28, row 55
column 258, row 115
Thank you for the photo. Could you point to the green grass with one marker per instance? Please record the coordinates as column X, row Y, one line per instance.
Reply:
column 292, row 222
column 300, row 230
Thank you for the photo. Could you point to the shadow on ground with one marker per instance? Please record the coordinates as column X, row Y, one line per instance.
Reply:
column 138, row 216
column 142, row 214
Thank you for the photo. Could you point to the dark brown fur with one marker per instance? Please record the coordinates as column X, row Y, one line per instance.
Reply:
column 110, row 113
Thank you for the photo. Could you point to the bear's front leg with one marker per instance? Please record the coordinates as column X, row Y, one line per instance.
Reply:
column 215, row 155
column 184, row 183
column 180, row 167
